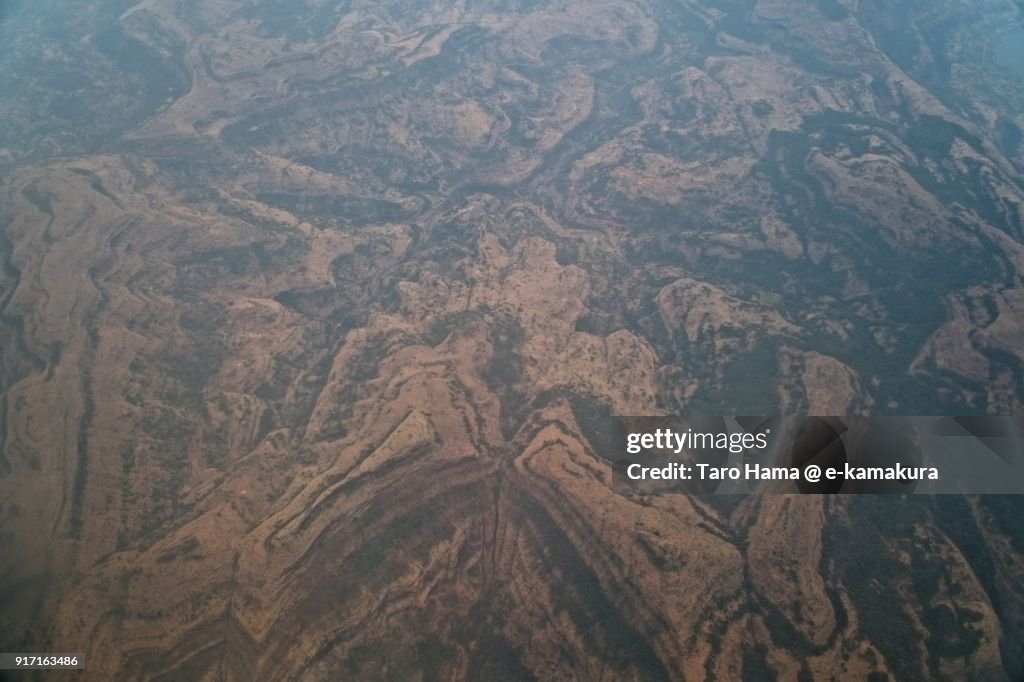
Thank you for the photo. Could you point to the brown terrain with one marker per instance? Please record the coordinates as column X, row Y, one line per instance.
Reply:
column 314, row 316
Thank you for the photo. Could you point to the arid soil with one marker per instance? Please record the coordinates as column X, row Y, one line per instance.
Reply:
column 314, row 316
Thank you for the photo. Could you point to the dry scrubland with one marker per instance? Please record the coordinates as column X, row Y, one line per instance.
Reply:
column 313, row 320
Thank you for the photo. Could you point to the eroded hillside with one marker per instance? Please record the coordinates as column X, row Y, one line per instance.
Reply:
column 314, row 318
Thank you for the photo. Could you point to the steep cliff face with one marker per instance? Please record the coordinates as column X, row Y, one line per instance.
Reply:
column 313, row 323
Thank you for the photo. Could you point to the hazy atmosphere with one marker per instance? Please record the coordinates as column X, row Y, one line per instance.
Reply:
column 314, row 316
